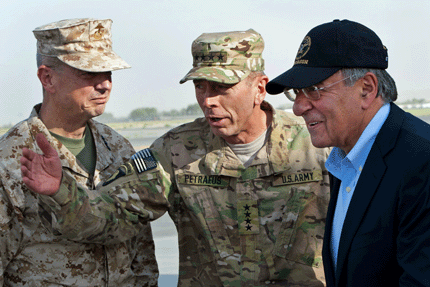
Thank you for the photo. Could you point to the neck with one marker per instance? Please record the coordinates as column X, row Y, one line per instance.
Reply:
column 60, row 123
column 367, row 118
column 261, row 120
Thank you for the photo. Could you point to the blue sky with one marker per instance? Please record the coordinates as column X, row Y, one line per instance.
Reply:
column 155, row 37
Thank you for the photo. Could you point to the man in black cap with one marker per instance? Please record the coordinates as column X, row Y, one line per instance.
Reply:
column 378, row 223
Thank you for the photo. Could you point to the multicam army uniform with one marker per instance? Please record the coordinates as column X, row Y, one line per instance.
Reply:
column 31, row 254
column 255, row 226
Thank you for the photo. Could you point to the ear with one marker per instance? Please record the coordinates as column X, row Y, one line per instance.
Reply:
column 45, row 75
column 260, row 85
column 369, row 90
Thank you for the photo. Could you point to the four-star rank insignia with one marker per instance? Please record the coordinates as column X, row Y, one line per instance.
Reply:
column 210, row 57
column 247, row 215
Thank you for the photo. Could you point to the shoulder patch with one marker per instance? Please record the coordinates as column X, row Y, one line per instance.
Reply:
column 144, row 160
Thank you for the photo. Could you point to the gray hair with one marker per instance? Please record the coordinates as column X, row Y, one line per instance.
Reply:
column 51, row 62
column 386, row 85
column 253, row 75
column 48, row 61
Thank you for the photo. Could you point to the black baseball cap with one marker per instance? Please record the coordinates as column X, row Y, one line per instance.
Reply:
column 328, row 48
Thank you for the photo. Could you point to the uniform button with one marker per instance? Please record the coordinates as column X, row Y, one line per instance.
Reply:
column 348, row 189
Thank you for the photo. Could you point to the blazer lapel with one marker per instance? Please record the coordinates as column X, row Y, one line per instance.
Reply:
column 372, row 174
column 327, row 257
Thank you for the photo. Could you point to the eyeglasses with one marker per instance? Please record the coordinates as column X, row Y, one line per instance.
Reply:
column 312, row 92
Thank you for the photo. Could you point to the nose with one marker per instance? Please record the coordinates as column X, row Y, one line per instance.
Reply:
column 301, row 105
column 210, row 99
column 104, row 82
column 207, row 96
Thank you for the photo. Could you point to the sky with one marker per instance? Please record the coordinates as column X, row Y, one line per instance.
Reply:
column 155, row 38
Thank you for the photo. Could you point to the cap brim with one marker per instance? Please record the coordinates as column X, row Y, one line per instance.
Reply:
column 299, row 77
column 97, row 62
column 216, row 74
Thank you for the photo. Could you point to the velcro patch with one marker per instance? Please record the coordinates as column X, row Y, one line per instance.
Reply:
column 247, row 214
column 144, row 160
column 202, row 179
column 300, row 177
column 122, row 171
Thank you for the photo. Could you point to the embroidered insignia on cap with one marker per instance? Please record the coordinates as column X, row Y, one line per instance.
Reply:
column 305, row 46
column 144, row 160
column 215, row 57
column 99, row 33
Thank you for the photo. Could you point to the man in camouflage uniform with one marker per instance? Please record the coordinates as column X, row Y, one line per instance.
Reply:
column 247, row 190
column 75, row 60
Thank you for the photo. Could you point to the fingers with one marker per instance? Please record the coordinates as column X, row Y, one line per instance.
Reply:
column 28, row 182
column 27, row 157
column 27, row 177
column 45, row 146
column 26, row 162
column 27, row 153
column 26, row 174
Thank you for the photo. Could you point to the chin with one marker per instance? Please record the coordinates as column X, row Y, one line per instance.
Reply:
column 319, row 143
column 217, row 132
column 221, row 133
column 99, row 111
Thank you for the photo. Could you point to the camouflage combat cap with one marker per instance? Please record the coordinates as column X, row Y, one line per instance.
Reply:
column 84, row 44
column 227, row 57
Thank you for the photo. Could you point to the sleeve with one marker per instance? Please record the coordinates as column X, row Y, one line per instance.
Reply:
column 131, row 197
column 161, row 148
column 413, row 239
column 11, row 232
column 144, row 264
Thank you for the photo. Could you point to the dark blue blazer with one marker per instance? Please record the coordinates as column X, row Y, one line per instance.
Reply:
column 385, row 239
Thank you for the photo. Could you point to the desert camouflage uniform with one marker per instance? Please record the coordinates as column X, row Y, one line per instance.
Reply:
column 34, row 255
column 256, row 226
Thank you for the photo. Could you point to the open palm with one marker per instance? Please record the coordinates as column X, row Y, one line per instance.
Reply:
column 41, row 172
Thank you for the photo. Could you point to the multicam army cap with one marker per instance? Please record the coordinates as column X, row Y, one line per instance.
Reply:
column 227, row 57
column 84, row 44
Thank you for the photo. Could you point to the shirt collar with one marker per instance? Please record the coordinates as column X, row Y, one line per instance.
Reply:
column 358, row 155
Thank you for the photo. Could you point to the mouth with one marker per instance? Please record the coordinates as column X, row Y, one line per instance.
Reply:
column 99, row 100
column 312, row 124
column 215, row 119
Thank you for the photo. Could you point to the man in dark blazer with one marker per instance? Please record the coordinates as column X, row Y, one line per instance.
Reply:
column 378, row 222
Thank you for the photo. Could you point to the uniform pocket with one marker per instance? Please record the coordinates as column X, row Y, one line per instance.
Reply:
column 288, row 230
column 302, row 228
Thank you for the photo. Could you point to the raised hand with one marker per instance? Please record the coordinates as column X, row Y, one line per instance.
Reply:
column 41, row 172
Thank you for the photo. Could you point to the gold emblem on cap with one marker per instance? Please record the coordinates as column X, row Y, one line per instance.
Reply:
column 304, row 48
column 99, row 33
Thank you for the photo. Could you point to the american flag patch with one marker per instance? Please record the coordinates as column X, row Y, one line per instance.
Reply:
column 144, row 160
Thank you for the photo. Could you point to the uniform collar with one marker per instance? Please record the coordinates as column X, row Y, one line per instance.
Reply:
column 220, row 160
column 68, row 160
